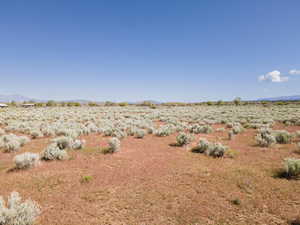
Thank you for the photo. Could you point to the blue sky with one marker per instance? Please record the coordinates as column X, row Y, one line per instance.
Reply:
column 167, row 50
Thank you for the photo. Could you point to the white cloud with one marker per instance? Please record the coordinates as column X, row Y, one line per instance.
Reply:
column 274, row 76
column 294, row 72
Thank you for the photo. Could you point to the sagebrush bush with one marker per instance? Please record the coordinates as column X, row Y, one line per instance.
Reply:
column 53, row 152
column 16, row 212
column 237, row 129
column 282, row 136
column 292, row 167
column 202, row 146
column 183, row 139
column 63, row 142
column 264, row 138
column 36, row 134
column 114, row 144
column 139, row 133
column 26, row 160
column 78, row 144
column 164, row 131
column 12, row 143
column 210, row 149
column 216, row 150
column 197, row 129
column 12, row 146
column 23, row 140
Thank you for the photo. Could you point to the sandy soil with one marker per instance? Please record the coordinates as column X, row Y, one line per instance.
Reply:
column 150, row 182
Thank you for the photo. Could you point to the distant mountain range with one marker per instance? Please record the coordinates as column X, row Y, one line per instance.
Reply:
column 21, row 98
column 16, row 98
column 281, row 98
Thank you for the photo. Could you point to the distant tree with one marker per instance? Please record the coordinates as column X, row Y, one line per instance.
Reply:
column 69, row 104
column 63, row 104
column 220, row 102
column 77, row 104
column 123, row 104
column 13, row 103
column 209, row 103
column 51, row 103
column 108, row 103
column 237, row 101
column 92, row 104
column 39, row 104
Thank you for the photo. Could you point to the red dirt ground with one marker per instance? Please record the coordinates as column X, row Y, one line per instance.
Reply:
column 151, row 183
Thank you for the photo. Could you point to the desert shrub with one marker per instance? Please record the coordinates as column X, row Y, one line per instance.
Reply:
column 216, row 150
column 292, row 167
column 150, row 130
column 36, row 134
column 12, row 143
column 53, row 152
column 119, row 134
column 237, row 129
column 131, row 131
column 140, row 133
column 202, row 146
column 12, row 146
column 197, row 129
column 86, row 179
column 183, row 139
column 63, row 142
column 236, row 201
column 23, row 140
column 114, row 145
column 16, row 212
column 210, row 149
column 282, row 136
column 26, row 160
column 78, row 144
column 164, row 131
column 264, row 138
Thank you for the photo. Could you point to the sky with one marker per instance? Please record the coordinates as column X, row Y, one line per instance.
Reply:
column 164, row 50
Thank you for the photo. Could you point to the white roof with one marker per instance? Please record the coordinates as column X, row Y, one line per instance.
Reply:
column 3, row 105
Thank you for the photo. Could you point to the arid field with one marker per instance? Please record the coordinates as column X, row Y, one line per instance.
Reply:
column 194, row 165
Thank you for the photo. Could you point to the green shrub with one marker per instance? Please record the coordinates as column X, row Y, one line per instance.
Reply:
column 282, row 136
column 210, row 149
column 292, row 167
column 197, row 129
column 264, row 138
column 183, row 139
column 86, row 179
